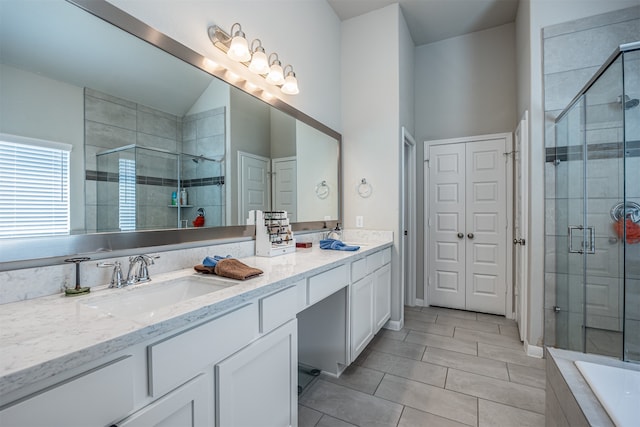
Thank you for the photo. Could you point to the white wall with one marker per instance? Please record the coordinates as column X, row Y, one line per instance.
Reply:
column 464, row 86
column 316, row 162
column 371, row 126
column 38, row 107
column 305, row 34
column 540, row 14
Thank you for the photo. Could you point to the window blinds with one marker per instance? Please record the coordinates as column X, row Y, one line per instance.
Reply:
column 34, row 187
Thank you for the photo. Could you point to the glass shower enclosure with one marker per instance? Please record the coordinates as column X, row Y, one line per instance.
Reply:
column 143, row 188
column 597, row 213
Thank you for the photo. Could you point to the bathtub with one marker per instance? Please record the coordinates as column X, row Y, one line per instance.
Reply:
column 617, row 389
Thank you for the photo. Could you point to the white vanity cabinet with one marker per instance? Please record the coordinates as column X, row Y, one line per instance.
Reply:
column 370, row 298
column 258, row 385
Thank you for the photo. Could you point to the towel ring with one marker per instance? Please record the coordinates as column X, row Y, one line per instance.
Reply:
column 322, row 190
column 364, row 188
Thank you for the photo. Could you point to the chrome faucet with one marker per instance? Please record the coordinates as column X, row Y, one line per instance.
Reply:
column 142, row 273
column 117, row 279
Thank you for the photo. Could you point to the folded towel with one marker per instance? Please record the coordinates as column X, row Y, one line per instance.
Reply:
column 212, row 261
column 336, row 245
column 234, row 269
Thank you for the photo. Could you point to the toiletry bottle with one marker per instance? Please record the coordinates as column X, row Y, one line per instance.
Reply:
column 183, row 197
column 174, row 198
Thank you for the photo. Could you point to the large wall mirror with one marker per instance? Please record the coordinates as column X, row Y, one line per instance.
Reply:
column 161, row 152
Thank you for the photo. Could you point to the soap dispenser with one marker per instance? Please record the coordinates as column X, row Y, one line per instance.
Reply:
column 336, row 233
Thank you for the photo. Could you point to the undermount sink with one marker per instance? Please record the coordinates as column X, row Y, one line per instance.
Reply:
column 142, row 303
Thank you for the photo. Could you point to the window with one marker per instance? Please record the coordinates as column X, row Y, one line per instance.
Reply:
column 34, row 187
column 127, row 194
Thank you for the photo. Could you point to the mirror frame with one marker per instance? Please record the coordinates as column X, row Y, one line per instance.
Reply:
column 43, row 251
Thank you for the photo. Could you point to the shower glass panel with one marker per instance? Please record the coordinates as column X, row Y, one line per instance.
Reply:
column 632, row 198
column 604, row 188
column 203, row 180
column 569, row 228
column 134, row 189
column 597, row 213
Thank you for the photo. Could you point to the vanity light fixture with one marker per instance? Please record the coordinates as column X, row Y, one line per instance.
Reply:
column 239, row 48
column 253, row 56
column 290, row 85
column 276, row 74
column 259, row 63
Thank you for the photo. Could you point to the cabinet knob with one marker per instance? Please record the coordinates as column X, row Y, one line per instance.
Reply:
column 470, row 235
column 460, row 235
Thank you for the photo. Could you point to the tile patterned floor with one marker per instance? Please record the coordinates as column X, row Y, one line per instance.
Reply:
column 445, row 368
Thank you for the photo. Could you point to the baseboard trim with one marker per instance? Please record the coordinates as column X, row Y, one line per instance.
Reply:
column 419, row 302
column 533, row 350
column 394, row 325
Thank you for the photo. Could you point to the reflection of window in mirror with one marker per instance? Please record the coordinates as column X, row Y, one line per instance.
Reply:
column 35, row 187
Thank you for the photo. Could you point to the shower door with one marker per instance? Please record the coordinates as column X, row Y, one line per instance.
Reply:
column 589, row 254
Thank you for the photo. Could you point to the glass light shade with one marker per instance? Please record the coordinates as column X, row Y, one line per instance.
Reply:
column 259, row 63
column 239, row 49
column 290, row 86
column 276, row 75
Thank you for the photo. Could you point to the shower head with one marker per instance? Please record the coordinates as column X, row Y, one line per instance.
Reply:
column 628, row 103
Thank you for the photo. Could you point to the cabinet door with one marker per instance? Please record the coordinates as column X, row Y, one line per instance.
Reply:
column 362, row 331
column 382, row 311
column 258, row 386
column 188, row 406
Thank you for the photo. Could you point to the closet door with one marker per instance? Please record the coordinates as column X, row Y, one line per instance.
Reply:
column 467, row 225
column 486, row 232
column 447, row 225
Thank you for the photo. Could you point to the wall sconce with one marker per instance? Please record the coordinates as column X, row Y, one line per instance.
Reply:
column 253, row 56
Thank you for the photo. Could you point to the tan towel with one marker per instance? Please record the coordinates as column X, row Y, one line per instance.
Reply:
column 230, row 267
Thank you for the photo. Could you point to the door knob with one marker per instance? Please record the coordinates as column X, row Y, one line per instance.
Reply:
column 460, row 235
column 470, row 235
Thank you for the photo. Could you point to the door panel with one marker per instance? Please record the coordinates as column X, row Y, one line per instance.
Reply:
column 486, row 226
column 254, row 184
column 446, row 220
column 284, row 186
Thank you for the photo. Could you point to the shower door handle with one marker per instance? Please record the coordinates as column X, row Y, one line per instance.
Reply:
column 592, row 240
column 573, row 228
column 587, row 246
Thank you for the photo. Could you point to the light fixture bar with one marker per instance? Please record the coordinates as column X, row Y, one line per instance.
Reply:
column 223, row 41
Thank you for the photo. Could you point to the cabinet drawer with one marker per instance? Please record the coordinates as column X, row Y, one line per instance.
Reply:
column 181, row 357
column 374, row 261
column 96, row 398
column 358, row 269
column 278, row 308
column 324, row 284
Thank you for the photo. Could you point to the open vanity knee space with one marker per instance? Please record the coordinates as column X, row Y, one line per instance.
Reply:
column 227, row 358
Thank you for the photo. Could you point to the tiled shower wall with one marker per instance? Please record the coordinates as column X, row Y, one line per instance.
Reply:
column 203, row 134
column 573, row 52
column 112, row 122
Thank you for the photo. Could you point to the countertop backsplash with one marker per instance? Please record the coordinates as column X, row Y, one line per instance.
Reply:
column 29, row 283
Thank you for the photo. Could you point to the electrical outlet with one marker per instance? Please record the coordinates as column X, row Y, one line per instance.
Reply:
column 359, row 221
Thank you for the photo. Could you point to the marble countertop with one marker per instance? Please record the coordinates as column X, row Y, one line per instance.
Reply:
column 46, row 336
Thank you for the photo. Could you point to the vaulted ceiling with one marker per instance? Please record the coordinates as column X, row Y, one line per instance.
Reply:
column 433, row 20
